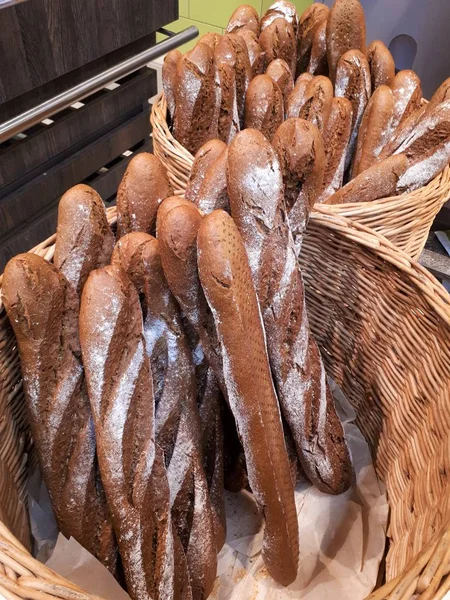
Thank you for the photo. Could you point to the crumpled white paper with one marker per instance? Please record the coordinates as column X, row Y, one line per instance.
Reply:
column 342, row 540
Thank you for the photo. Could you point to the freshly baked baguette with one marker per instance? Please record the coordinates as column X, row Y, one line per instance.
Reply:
column 227, row 281
column 143, row 187
column 244, row 17
column 318, row 98
column 318, row 62
column 264, row 108
column 403, row 132
column 195, row 98
column 169, row 78
column 255, row 54
column 243, row 71
column 440, row 95
column 210, row 39
column 43, row 311
column 177, row 428
column 226, row 71
column 213, row 191
column 407, row 91
column 296, row 98
column 84, row 240
column 335, row 141
column 381, row 180
column 300, row 379
column 278, row 40
column 311, row 19
column 353, row 82
column 120, row 388
column 279, row 71
column 375, row 129
column 346, row 30
column 204, row 158
column 381, row 63
column 283, row 9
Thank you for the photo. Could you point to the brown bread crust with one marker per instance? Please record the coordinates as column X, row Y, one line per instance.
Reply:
column 279, row 71
column 296, row 98
column 440, row 95
column 226, row 70
column 403, row 131
column 346, row 30
column 316, row 107
column 336, row 138
column 255, row 53
column 318, row 62
column 245, row 17
column 204, row 158
column 297, row 368
column 84, row 240
column 227, row 281
column 283, row 9
column 264, row 108
column 381, row 180
column 210, row 39
column 143, row 187
column 169, row 78
column 375, row 129
column 213, row 191
column 311, row 19
column 381, row 63
column 243, row 72
column 407, row 91
column 278, row 40
column 43, row 310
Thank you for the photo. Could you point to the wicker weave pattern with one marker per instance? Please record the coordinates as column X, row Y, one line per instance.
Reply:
column 405, row 219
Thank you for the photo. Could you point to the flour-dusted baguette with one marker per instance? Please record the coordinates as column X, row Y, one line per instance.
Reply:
column 210, row 39
column 353, row 82
column 226, row 71
column 255, row 53
column 317, row 102
column 84, row 240
column 336, row 138
column 278, row 40
column 227, row 281
column 313, row 17
column 407, row 91
column 381, row 180
column 196, row 102
column 346, row 30
column 169, row 78
column 381, row 63
column 243, row 71
column 280, row 72
column 204, row 158
column 256, row 195
column 375, row 129
column 403, row 131
column 296, row 98
column 318, row 62
column 213, row 191
column 43, row 310
column 244, row 17
column 264, row 107
column 283, row 9
column 142, row 189
column 177, row 426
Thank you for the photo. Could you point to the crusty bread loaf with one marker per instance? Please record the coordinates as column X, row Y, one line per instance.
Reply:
column 317, row 102
column 195, row 99
column 243, row 72
column 381, row 63
column 296, row 98
column 375, row 129
column 407, row 91
column 210, row 39
column 244, row 17
column 336, row 138
column 283, row 9
column 256, row 195
column 169, row 78
column 346, row 30
column 43, row 311
column 226, row 71
column 311, row 19
column 255, row 53
column 280, row 72
column 213, row 191
column 84, row 240
column 440, row 95
column 264, row 109
column 227, row 281
column 278, row 40
column 381, row 180
column 204, row 158
column 318, row 61
column 403, row 131
column 143, row 187
column 353, row 82
column 300, row 152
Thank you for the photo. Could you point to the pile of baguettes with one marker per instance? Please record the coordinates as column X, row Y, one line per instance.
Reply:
column 379, row 140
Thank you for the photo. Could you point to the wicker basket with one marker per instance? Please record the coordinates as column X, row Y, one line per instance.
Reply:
column 383, row 324
column 405, row 219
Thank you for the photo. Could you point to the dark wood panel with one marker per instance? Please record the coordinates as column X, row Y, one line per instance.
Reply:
column 42, row 40
column 19, row 160
column 442, row 220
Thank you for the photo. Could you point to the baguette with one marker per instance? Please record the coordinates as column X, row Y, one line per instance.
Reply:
column 210, row 39
column 279, row 71
column 226, row 71
column 296, row 98
column 346, row 30
column 213, row 191
column 204, row 158
column 381, row 63
column 407, row 92
column 169, row 78
column 255, row 54
column 402, row 132
column 281, row 9
column 245, row 17
column 278, row 40
column 264, row 109
column 243, row 72
column 226, row 280
column 318, row 61
column 311, row 19
column 440, row 95
column 318, row 98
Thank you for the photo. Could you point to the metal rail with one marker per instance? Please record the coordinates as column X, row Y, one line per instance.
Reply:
column 38, row 113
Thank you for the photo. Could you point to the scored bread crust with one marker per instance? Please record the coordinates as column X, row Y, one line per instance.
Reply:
column 317, row 102
column 204, row 158
column 226, row 72
column 264, row 107
column 255, row 53
column 381, row 63
column 318, row 62
column 227, row 282
column 407, row 92
column 310, row 20
column 245, row 17
column 346, row 30
column 170, row 79
column 279, row 71
column 278, row 40
column 283, row 9
column 296, row 98
column 213, row 191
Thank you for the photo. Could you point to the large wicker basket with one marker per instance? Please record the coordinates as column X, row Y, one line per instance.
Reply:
column 383, row 324
column 405, row 219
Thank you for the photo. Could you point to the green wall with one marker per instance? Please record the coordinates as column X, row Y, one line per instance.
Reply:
column 213, row 15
